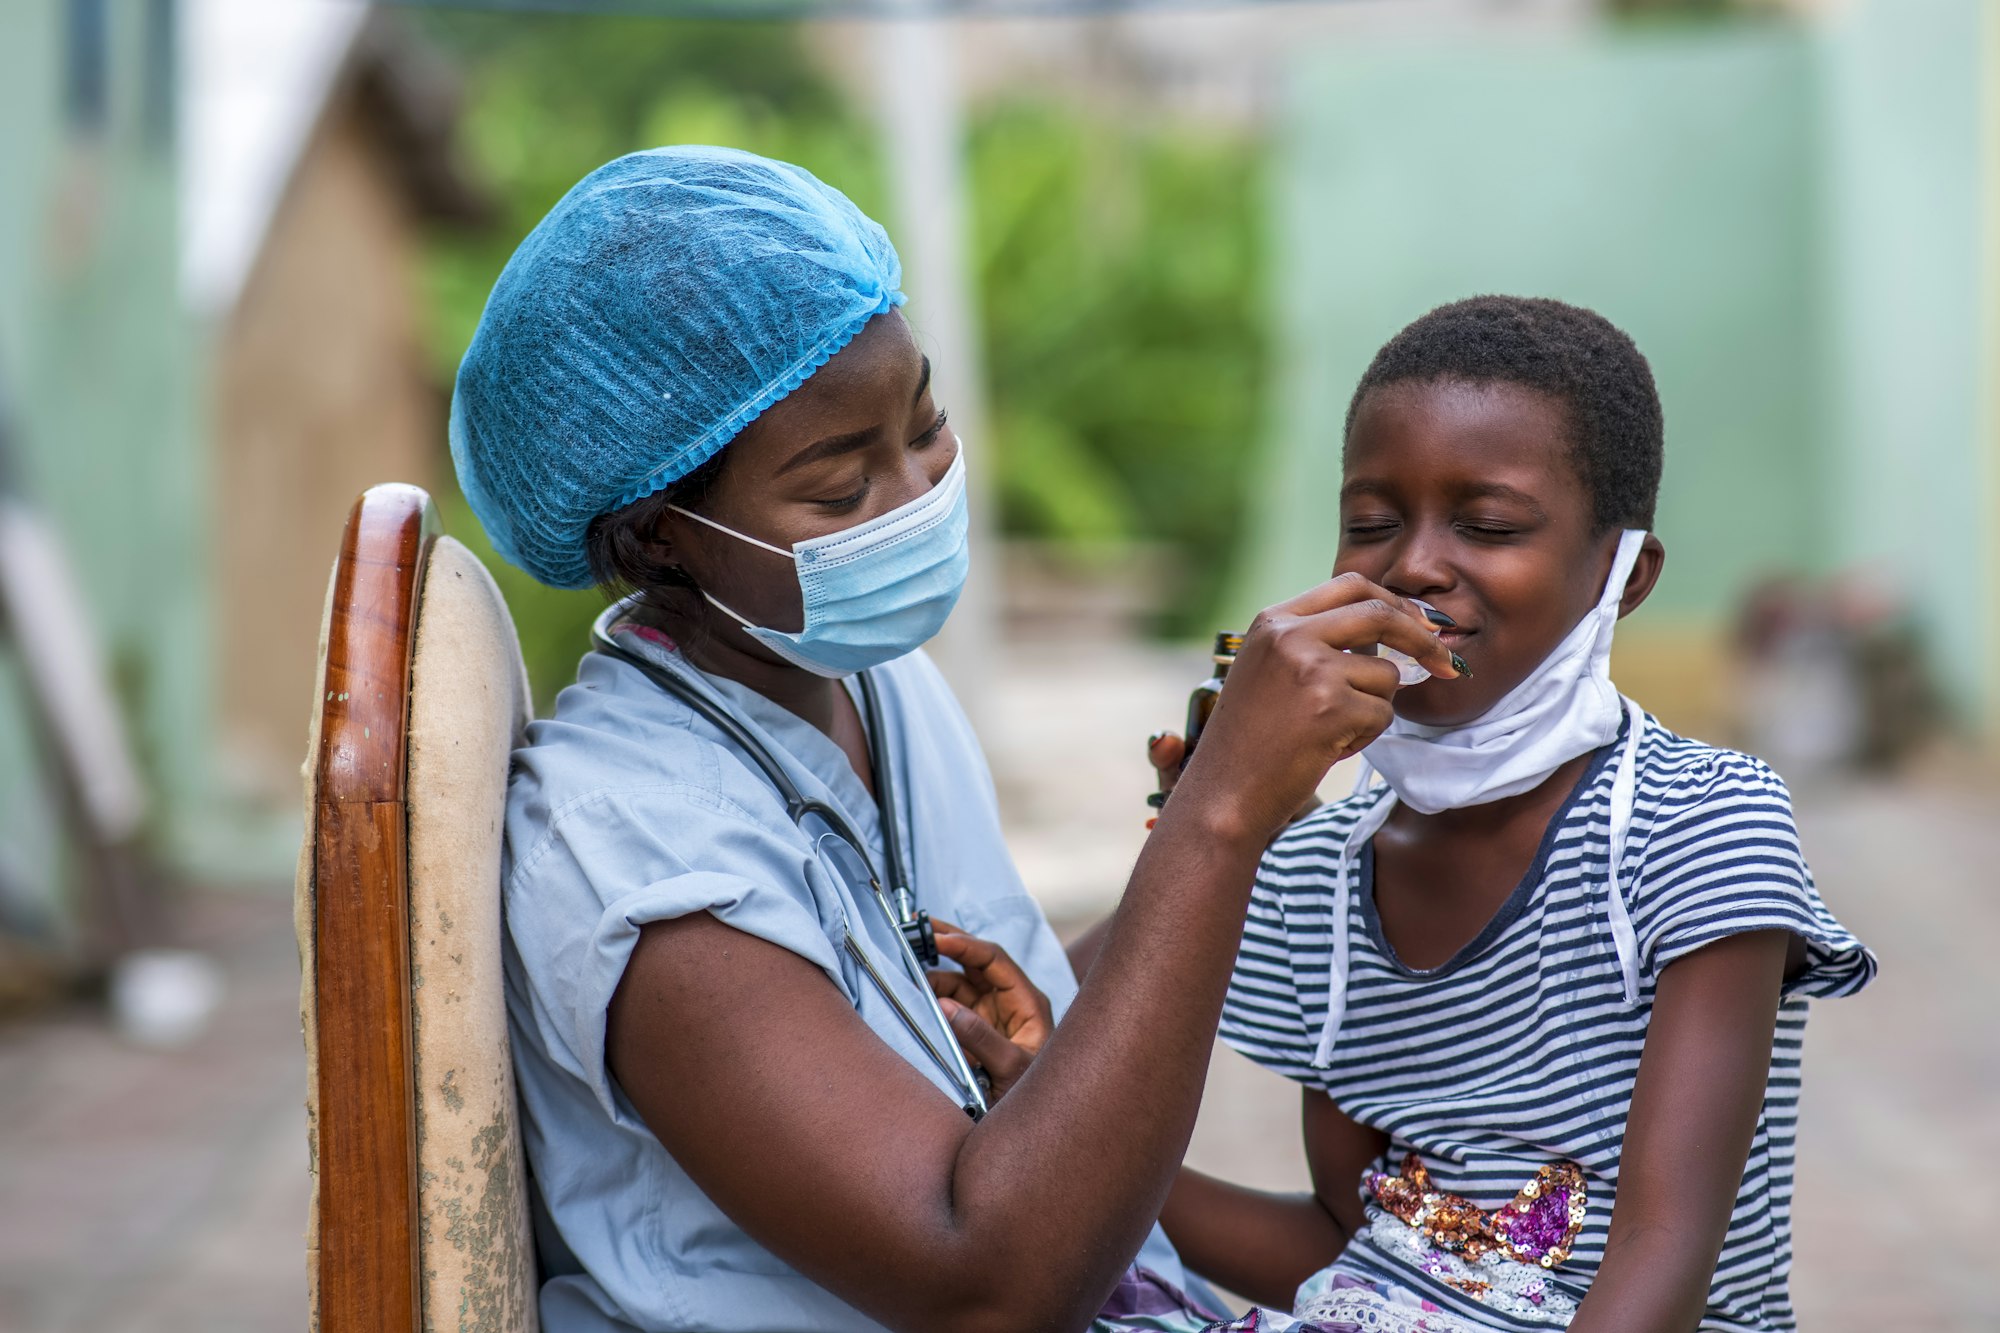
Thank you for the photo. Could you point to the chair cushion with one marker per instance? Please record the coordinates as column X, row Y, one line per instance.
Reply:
column 469, row 705
column 304, row 909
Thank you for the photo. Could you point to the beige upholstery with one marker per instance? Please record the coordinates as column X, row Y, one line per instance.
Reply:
column 468, row 706
column 304, row 910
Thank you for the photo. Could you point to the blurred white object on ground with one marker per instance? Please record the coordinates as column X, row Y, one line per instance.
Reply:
column 164, row 997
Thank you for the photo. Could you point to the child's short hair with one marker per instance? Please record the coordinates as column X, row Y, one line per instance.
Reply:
column 1572, row 354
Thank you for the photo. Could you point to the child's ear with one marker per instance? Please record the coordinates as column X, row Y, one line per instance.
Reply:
column 1645, row 573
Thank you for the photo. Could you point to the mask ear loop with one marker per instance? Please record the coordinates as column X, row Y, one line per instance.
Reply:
column 739, row 536
column 1346, row 871
column 717, row 603
column 1624, row 790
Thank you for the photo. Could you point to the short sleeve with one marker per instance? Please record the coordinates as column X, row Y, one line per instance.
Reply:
column 1262, row 1016
column 1722, row 858
column 613, row 862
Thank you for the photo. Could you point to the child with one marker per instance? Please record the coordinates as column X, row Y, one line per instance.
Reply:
column 1545, row 984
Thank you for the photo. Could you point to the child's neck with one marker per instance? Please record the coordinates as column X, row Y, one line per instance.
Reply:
column 1439, row 879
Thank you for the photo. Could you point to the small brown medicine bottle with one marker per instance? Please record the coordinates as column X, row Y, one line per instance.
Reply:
column 1201, row 703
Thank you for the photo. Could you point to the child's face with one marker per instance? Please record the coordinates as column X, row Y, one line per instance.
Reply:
column 1465, row 495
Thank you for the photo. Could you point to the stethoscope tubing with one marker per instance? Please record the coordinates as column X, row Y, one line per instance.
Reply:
column 799, row 807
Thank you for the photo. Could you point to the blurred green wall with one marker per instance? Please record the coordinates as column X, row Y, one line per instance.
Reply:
column 1786, row 219
column 1664, row 183
column 100, row 366
column 1909, row 444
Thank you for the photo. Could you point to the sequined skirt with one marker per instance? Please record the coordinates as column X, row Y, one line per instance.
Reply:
column 1332, row 1301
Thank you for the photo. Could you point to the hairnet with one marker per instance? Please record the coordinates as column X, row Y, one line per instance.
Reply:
column 668, row 299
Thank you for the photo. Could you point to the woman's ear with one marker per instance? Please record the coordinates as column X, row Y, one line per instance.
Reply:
column 660, row 541
column 1645, row 573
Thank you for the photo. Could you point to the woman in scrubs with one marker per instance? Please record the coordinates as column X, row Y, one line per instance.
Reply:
column 692, row 383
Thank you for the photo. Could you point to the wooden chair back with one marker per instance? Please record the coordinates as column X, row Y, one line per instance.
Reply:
column 419, row 1217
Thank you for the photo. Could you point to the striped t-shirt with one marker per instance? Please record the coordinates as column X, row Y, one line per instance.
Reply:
column 1520, row 1052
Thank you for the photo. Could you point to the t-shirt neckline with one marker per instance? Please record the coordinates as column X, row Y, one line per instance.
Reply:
column 1516, row 902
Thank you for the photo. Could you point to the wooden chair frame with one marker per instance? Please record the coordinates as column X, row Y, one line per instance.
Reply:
column 366, row 1204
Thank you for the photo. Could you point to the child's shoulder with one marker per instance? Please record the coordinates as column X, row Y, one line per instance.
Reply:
column 1679, row 778
column 1325, row 829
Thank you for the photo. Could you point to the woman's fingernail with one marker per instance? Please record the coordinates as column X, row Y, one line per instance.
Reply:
column 1155, row 739
column 949, row 1006
column 1458, row 665
column 1439, row 618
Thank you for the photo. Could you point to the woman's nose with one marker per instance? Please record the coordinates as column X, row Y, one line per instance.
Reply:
column 929, row 466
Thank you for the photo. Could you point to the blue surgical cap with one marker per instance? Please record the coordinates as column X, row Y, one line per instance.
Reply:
column 666, row 300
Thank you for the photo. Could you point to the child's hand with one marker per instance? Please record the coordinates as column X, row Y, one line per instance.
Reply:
column 999, row 1016
column 1165, row 751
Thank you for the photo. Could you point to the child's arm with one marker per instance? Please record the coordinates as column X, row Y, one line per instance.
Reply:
column 1263, row 1245
column 1694, row 1112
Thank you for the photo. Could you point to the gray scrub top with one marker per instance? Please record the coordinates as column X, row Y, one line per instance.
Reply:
column 626, row 808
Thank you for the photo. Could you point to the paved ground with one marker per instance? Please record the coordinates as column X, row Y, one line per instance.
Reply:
column 153, row 1193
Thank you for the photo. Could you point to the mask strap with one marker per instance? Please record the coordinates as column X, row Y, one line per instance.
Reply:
column 1336, row 994
column 739, row 536
column 1630, row 541
column 725, row 610
column 1624, row 788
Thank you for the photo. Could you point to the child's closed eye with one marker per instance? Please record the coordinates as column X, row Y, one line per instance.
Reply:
column 1489, row 531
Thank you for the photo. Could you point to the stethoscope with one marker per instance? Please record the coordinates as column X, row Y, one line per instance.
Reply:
column 910, row 924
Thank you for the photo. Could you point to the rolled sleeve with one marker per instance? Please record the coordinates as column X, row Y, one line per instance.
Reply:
column 612, row 864
column 1724, row 859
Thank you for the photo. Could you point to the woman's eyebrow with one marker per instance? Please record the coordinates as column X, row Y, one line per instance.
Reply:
column 833, row 446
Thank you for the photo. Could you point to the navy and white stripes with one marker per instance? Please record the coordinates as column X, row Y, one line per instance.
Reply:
column 1522, row 1049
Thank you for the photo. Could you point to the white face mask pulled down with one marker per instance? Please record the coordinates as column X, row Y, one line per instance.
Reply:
column 1566, row 707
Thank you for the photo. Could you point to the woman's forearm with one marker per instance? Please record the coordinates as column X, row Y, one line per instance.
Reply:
column 1259, row 1244
column 1093, row 1132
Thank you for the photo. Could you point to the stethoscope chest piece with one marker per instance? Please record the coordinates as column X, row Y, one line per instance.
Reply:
column 921, row 936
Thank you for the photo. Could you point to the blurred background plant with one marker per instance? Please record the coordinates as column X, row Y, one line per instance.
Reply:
column 1118, row 273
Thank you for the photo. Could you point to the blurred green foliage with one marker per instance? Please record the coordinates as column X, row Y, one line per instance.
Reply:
column 1673, row 11
column 1119, row 269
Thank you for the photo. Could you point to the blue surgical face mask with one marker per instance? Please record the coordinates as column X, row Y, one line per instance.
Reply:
column 876, row 591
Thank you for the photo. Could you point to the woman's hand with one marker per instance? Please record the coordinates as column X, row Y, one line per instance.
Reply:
column 1166, row 752
column 1306, row 691
column 999, row 1016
